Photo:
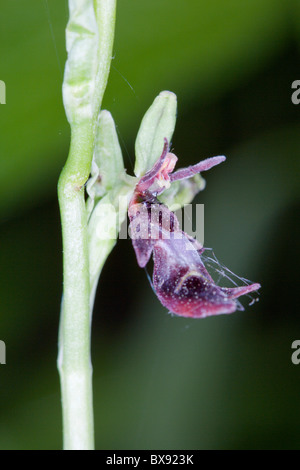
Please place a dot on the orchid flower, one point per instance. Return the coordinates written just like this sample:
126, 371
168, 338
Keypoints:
180, 278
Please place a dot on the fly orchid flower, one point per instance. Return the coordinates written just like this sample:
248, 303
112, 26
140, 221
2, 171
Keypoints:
180, 278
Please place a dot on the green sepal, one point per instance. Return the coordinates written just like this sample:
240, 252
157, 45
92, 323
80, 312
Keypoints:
182, 192
157, 124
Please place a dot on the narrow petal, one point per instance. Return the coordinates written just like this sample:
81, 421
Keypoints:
194, 169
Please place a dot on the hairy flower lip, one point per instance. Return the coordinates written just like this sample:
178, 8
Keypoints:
183, 284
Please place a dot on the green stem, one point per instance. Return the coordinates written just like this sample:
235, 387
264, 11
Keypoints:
74, 343
74, 362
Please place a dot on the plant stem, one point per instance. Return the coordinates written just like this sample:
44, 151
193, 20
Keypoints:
74, 343
74, 362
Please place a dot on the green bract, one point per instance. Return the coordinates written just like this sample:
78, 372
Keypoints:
109, 190
107, 165
89, 35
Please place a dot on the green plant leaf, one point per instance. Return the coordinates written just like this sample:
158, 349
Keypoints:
157, 124
185, 57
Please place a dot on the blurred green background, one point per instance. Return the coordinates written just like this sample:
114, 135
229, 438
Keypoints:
160, 382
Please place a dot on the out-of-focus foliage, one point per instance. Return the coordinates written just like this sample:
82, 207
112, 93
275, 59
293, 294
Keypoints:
193, 48
160, 382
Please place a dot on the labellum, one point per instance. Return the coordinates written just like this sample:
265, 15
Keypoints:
180, 278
